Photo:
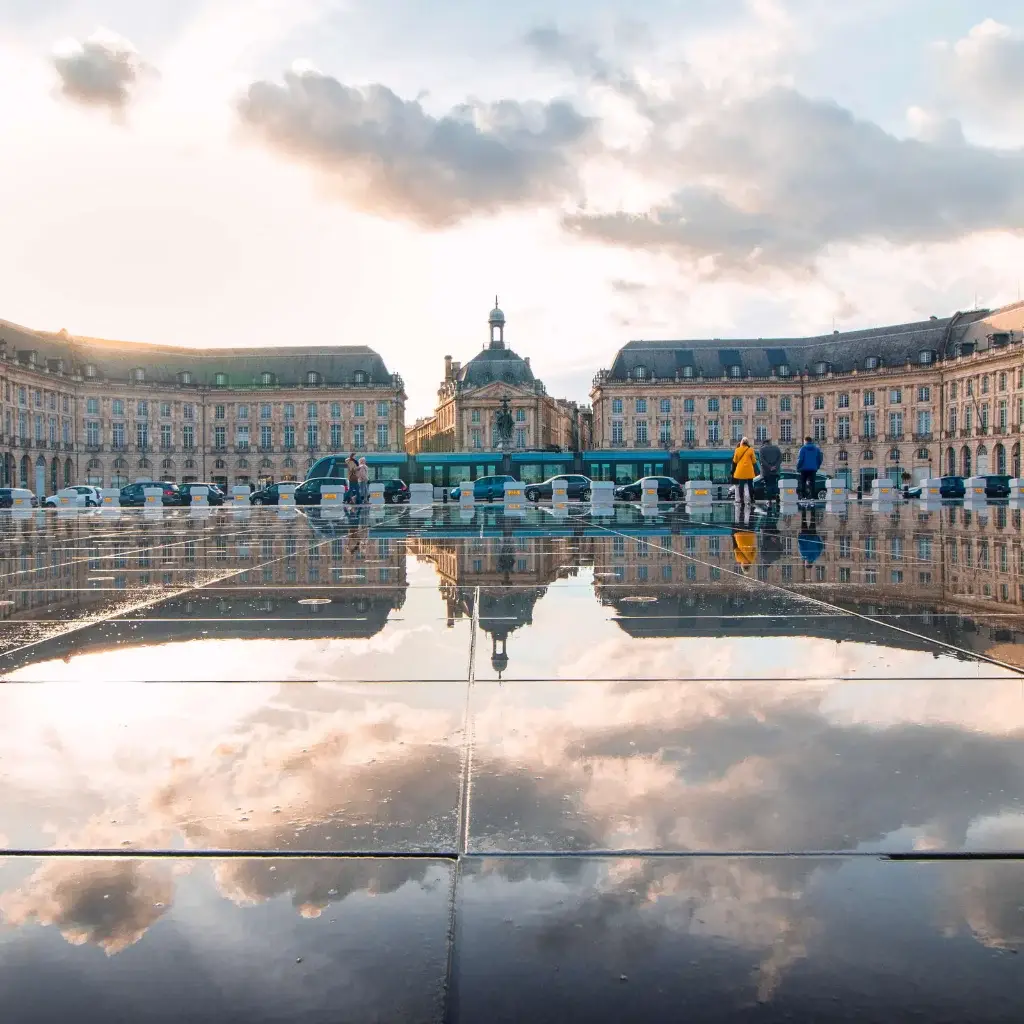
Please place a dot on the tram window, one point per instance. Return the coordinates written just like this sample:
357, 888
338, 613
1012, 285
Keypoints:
456, 474
433, 475
385, 472
623, 473
698, 471
721, 473
531, 472
600, 471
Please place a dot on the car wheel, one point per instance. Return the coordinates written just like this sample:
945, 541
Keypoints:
388, 500
51, 504
257, 501
532, 495
585, 495
822, 495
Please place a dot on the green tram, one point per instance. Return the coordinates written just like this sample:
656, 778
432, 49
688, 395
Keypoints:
619, 465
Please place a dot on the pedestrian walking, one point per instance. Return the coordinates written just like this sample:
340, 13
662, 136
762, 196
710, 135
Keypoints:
352, 471
363, 478
808, 462
743, 471
770, 458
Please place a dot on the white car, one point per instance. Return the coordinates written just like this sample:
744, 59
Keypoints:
92, 496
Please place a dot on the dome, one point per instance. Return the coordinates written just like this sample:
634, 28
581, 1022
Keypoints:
496, 364
497, 318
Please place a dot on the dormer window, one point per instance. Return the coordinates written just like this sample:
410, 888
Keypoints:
313, 377
640, 372
184, 377
220, 380
926, 357
872, 363
359, 377
687, 371
266, 379
1001, 338
782, 369
821, 368
138, 375
735, 371
90, 370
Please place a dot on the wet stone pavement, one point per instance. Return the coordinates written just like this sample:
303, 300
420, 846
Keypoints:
270, 765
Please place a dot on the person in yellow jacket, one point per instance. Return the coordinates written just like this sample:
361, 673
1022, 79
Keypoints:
743, 471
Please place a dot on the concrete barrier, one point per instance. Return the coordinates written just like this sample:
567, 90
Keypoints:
1017, 488
602, 498
377, 492
333, 494
68, 497
421, 494
649, 493
514, 496
154, 497
286, 494
467, 495
788, 494
240, 496
111, 497
560, 495
974, 490
698, 494
198, 496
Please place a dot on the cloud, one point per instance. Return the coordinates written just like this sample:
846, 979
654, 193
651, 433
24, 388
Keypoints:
776, 180
987, 66
101, 71
391, 157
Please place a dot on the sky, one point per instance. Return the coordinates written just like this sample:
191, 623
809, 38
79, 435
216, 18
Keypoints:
294, 172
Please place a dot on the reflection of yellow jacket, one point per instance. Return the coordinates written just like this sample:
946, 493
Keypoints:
745, 547
743, 463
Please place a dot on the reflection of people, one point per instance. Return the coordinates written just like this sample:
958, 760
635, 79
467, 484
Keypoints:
808, 462
810, 544
744, 548
743, 471
770, 458
771, 539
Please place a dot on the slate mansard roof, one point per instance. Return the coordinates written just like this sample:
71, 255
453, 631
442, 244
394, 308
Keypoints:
115, 361
496, 364
841, 352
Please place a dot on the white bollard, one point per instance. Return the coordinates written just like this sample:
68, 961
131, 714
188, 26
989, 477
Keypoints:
286, 494
560, 494
111, 497
68, 497
153, 496
240, 496
377, 492
332, 495
698, 494
467, 495
602, 498
332, 511
514, 497
649, 494
788, 497
421, 494
835, 495
198, 496
1017, 488
974, 490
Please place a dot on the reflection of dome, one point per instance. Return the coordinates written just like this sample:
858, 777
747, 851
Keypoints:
499, 659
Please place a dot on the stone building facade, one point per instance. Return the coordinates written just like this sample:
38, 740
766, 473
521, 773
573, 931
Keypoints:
471, 395
938, 396
79, 410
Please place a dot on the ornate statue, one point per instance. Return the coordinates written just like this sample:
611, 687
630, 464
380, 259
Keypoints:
503, 424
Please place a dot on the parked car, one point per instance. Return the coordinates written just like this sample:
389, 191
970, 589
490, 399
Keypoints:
668, 489
578, 488
214, 495
134, 495
17, 497
951, 487
308, 492
93, 497
820, 482
997, 486
485, 488
396, 492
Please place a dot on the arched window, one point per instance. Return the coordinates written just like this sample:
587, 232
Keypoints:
184, 377
950, 462
922, 454
190, 463
312, 377
220, 380
69, 472
289, 463
735, 371
965, 461
787, 456
90, 370
640, 372
782, 369
266, 378
167, 464
894, 454
359, 377
1000, 454
243, 463
144, 464
868, 455
138, 375
687, 371
220, 464
842, 455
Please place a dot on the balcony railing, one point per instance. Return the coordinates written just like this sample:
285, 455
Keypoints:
923, 435
898, 436
872, 436
40, 443
168, 448
242, 448
118, 446
641, 444
69, 446
965, 431
981, 431
999, 428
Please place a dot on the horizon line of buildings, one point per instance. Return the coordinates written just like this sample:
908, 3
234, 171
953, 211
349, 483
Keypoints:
943, 396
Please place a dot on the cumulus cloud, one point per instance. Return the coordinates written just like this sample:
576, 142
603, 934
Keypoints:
101, 71
987, 66
391, 157
775, 180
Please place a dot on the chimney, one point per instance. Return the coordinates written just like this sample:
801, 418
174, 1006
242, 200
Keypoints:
527, 361
455, 369
447, 367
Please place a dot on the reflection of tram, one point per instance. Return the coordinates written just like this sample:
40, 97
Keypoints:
447, 469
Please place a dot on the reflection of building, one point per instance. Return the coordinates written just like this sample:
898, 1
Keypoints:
940, 396
103, 412
508, 574
470, 398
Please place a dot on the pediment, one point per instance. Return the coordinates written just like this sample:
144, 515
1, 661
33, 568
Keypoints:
499, 389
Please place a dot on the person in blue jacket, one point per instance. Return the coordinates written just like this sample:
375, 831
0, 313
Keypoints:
808, 462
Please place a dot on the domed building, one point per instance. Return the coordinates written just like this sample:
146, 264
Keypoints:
473, 396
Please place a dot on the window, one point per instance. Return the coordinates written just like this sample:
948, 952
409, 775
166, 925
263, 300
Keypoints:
220, 380
761, 405
1002, 380
165, 435
266, 437
952, 390
188, 411
117, 435
188, 437
924, 394
220, 437
641, 431
665, 405
843, 401
92, 433
90, 370
312, 435
641, 405
520, 415
142, 435
474, 416
736, 430
735, 371
783, 369
165, 409
713, 434
383, 408
895, 424
243, 412
968, 418
737, 405
616, 406
819, 402
872, 363
688, 405
1004, 417
335, 410
821, 369
843, 428
312, 377
984, 417
266, 378
786, 430
92, 406
616, 431
869, 398
22, 393
761, 432
138, 375
868, 424
970, 388
357, 409
925, 357
218, 412
117, 407
359, 435
984, 384
687, 371
689, 432
896, 396
382, 436
520, 437
786, 404
924, 423
952, 418
712, 405
818, 425
477, 441
311, 410
289, 435
640, 372
242, 437
289, 411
